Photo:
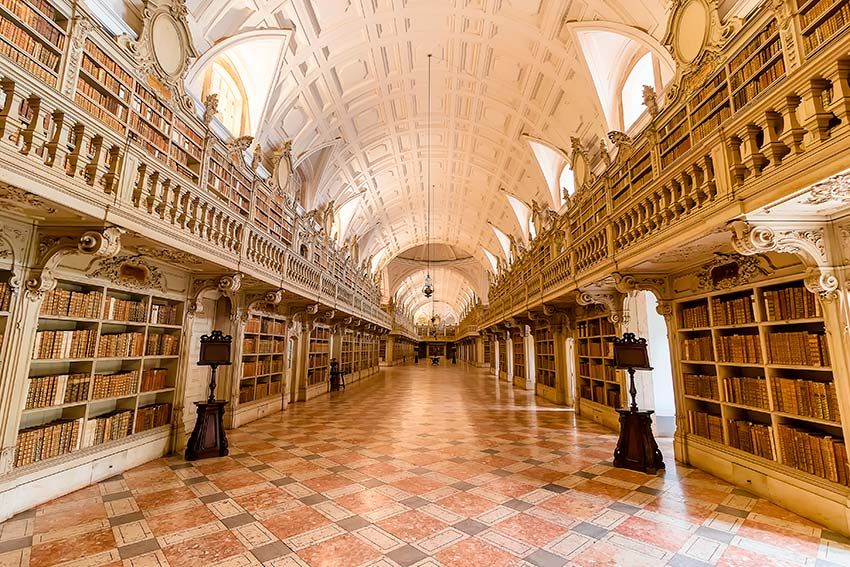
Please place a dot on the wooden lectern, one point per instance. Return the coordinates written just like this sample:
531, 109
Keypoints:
636, 447
208, 438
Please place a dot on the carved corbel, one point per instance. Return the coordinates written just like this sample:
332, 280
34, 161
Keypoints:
105, 243
808, 243
610, 298
268, 299
228, 285
665, 309
628, 283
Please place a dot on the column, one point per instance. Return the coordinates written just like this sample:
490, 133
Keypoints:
388, 351
478, 355
564, 370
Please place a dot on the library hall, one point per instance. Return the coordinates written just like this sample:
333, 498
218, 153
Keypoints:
424, 283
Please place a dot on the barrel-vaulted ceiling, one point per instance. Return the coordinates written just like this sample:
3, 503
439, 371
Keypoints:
357, 70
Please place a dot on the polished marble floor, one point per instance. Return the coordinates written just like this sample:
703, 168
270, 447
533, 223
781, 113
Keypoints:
416, 466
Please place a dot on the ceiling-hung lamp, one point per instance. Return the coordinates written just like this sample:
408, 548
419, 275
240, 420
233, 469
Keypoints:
428, 288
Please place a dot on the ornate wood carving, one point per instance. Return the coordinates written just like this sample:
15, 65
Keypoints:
132, 272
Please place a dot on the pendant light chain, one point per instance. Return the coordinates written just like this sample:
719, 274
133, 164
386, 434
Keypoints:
428, 289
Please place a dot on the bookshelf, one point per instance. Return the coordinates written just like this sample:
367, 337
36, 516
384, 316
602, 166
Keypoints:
503, 358
347, 353
186, 150
488, 350
150, 123
821, 20
675, 137
103, 368
33, 35
709, 106
599, 381
519, 356
544, 352
319, 356
263, 363
103, 89
756, 376
756, 66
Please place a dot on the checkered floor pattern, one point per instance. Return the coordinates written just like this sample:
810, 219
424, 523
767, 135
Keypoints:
417, 466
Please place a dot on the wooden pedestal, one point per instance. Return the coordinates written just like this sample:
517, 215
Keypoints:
636, 447
208, 438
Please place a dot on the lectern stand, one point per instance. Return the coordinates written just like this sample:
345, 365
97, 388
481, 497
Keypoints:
636, 447
208, 438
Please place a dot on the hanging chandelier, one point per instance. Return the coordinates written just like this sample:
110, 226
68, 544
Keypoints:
428, 288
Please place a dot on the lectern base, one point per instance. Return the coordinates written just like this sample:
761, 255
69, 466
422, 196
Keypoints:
208, 438
636, 447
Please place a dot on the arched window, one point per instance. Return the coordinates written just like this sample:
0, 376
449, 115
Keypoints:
567, 182
631, 96
222, 80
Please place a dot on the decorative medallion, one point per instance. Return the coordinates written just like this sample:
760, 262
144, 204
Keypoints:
728, 270
132, 272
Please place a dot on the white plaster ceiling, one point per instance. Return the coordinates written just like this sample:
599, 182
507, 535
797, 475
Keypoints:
357, 69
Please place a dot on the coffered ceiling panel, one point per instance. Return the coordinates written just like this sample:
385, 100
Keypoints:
357, 69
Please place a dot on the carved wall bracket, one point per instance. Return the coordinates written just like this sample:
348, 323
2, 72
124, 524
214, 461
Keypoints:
105, 243
612, 299
628, 283
809, 243
228, 285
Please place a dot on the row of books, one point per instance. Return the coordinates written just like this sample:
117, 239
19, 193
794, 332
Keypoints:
119, 345
64, 344
319, 348
807, 398
152, 416
666, 159
246, 393
109, 427
114, 385
124, 310
702, 386
154, 379
153, 106
22, 38
755, 64
733, 311
746, 390
35, 20
42, 6
108, 103
164, 314
5, 296
739, 348
813, 453
105, 61
68, 303
754, 438
261, 367
754, 45
149, 133
696, 316
812, 39
99, 112
708, 88
25, 61
791, 303
36, 444
798, 348
709, 106
162, 344
317, 375
58, 389
102, 76
711, 123
596, 328
815, 11
706, 425
257, 345
759, 83
697, 348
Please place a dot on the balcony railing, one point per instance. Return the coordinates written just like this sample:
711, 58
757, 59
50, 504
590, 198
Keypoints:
217, 208
776, 143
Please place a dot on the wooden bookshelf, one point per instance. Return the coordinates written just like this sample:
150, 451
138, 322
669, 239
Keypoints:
347, 353
640, 169
821, 21
503, 356
319, 356
675, 137
756, 376
599, 381
5, 307
709, 106
103, 368
756, 66
186, 150
488, 350
150, 123
263, 363
544, 353
33, 35
519, 355
104, 88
